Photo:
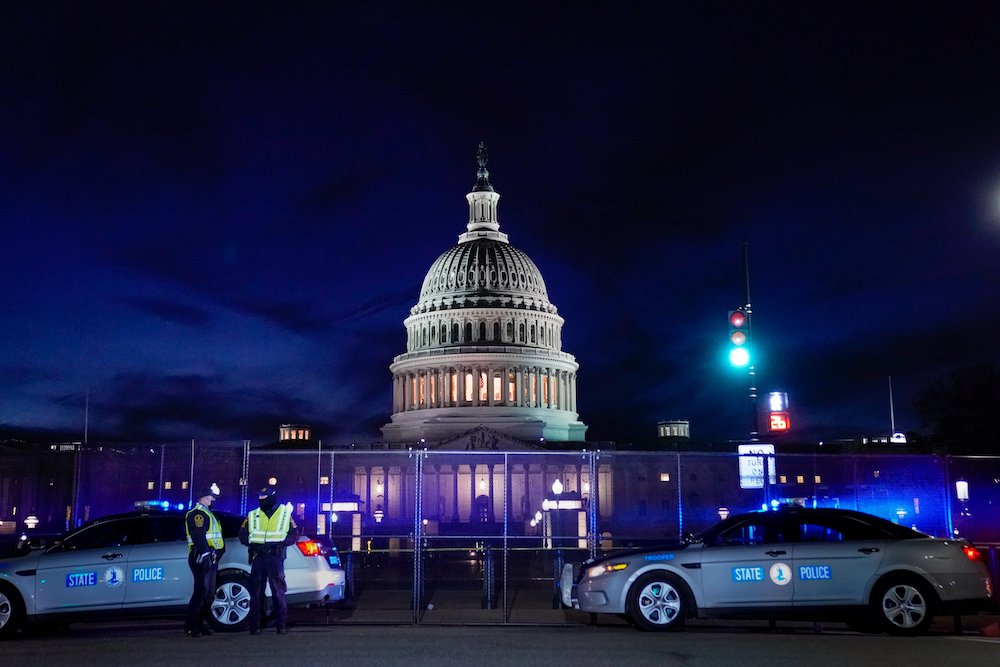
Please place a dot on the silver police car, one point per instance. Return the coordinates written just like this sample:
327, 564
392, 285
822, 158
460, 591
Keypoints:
136, 564
789, 563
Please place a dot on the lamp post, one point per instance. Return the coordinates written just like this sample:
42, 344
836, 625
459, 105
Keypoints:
751, 367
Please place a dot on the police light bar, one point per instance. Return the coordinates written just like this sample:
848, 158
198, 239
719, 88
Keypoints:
152, 504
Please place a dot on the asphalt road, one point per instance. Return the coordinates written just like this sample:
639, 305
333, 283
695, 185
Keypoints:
163, 643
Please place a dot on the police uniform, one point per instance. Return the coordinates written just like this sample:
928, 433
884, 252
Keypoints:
268, 531
205, 548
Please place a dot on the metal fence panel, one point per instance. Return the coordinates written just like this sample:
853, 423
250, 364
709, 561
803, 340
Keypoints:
479, 536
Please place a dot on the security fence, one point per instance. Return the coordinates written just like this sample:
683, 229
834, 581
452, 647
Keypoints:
430, 536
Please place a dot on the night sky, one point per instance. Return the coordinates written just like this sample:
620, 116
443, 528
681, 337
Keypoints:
215, 216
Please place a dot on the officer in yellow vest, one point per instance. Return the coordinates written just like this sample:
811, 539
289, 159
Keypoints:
205, 548
268, 531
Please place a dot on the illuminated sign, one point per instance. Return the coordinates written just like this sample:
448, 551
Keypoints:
814, 572
742, 574
777, 401
78, 579
778, 422
752, 465
655, 557
114, 577
780, 574
147, 574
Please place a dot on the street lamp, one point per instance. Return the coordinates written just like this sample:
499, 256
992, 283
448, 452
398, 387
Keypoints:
557, 487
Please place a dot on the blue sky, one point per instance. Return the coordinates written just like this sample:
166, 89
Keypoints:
216, 217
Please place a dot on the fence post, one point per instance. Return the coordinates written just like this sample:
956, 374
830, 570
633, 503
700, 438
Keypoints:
489, 581
994, 567
557, 564
349, 575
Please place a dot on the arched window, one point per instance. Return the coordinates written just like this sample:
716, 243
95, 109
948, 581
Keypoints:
433, 335
532, 333
496, 332
454, 332
510, 331
520, 332
468, 332
482, 331
423, 333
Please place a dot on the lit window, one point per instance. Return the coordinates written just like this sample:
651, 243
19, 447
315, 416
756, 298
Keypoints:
664, 476
876, 474
184, 485
150, 485
799, 479
782, 479
324, 480
167, 485
818, 479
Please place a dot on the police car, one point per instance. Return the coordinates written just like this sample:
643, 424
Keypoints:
789, 563
136, 564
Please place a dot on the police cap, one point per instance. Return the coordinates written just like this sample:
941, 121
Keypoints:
211, 490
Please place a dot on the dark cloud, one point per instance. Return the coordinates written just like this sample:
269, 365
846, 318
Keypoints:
171, 311
276, 184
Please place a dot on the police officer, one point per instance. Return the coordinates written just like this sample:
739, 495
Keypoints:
205, 548
267, 531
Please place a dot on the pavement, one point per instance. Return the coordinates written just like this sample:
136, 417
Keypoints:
534, 607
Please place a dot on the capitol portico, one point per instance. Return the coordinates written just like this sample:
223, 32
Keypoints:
484, 343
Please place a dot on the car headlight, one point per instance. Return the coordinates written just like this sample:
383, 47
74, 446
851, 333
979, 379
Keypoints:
605, 568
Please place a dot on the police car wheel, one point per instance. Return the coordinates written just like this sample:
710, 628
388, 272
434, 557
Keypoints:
656, 601
903, 607
11, 611
231, 605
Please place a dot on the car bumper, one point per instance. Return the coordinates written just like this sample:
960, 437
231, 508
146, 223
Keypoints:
567, 590
316, 586
600, 595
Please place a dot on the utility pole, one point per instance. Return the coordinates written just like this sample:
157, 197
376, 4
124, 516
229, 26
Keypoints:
751, 368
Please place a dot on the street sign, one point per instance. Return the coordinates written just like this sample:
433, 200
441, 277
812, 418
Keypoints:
752, 458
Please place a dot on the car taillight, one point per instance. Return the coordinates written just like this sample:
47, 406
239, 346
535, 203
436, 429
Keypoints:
972, 553
308, 547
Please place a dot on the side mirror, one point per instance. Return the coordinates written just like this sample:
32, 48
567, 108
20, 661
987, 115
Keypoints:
57, 545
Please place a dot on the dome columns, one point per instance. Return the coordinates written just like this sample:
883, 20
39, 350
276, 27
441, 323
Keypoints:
484, 385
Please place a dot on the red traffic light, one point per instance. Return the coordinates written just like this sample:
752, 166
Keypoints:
737, 319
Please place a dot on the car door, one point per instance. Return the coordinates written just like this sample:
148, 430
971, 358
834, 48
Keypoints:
748, 565
87, 570
834, 560
158, 573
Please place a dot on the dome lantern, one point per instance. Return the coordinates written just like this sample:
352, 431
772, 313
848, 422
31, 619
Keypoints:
482, 200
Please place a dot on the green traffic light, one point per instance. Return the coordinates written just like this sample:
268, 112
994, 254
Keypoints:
739, 357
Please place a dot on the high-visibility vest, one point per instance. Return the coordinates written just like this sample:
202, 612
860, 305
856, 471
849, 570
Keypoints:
213, 534
263, 529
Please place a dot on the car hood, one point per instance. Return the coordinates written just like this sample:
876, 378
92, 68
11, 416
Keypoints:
631, 553
19, 561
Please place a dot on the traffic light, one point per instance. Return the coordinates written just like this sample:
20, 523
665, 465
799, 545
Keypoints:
739, 338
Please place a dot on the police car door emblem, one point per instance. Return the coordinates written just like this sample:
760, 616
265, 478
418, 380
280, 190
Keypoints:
780, 573
114, 577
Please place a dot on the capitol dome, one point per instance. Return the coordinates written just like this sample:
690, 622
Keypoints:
484, 343
480, 271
